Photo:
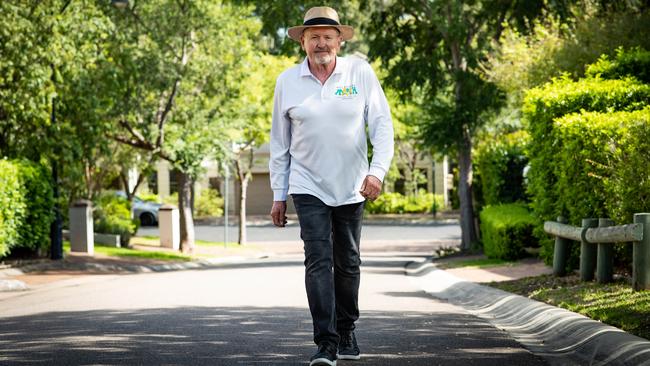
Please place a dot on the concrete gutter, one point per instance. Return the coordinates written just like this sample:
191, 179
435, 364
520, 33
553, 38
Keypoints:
560, 336
98, 266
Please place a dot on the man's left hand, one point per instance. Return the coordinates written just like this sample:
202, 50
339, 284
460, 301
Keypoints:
371, 187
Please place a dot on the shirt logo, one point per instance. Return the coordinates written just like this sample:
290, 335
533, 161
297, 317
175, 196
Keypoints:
346, 91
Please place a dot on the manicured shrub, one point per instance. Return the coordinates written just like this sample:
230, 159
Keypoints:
172, 199
506, 230
209, 204
26, 206
500, 163
396, 203
149, 197
12, 206
610, 152
541, 108
603, 169
34, 233
627, 183
634, 63
112, 215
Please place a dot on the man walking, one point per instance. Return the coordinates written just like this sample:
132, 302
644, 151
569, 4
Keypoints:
319, 156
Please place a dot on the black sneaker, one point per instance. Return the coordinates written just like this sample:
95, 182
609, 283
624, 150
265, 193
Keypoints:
326, 356
348, 348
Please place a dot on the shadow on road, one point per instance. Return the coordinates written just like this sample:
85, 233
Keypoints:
245, 336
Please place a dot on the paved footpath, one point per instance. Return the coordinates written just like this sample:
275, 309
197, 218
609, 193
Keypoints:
250, 313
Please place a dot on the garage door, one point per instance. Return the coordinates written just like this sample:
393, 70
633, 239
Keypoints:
260, 196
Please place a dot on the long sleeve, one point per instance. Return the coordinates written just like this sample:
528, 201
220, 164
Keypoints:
280, 160
380, 126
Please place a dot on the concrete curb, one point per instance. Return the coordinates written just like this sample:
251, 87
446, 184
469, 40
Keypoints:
130, 268
560, 336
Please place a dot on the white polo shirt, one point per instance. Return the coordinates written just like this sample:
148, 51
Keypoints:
318, 135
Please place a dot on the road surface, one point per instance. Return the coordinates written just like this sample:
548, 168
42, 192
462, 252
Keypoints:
251, 313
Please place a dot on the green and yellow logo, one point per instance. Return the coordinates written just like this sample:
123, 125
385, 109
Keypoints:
346, 91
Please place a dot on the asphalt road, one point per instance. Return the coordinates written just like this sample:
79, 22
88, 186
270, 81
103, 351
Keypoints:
241, 314
370, 232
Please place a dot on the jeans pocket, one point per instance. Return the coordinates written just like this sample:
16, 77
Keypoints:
313, 216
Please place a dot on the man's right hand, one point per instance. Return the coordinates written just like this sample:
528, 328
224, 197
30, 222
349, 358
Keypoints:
278, 213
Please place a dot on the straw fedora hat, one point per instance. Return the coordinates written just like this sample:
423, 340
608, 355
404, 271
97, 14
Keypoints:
321, 16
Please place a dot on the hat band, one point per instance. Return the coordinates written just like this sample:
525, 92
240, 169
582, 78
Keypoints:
321, 21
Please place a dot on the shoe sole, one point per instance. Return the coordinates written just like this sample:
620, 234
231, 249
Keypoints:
349, 357
322, 362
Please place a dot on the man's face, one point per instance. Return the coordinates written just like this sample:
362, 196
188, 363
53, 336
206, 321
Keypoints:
321, 44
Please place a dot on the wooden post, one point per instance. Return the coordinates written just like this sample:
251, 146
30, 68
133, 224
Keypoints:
641, 260
587, 253
560, 252
605, 258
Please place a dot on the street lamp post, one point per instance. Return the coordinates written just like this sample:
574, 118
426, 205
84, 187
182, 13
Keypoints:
56, 228
225, 205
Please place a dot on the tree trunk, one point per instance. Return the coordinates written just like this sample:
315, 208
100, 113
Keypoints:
242, 210
185, 209
88, 179
413, 172
244, 175
129, 194
468, 231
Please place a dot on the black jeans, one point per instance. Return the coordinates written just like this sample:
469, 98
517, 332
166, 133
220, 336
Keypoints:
331, 236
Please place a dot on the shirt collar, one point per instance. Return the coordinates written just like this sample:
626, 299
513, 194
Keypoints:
338, 69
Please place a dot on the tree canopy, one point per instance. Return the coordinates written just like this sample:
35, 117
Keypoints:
437, 47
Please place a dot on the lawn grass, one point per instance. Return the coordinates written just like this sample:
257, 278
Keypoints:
155, 241
214, 243
133, 253
615, 304
478, 263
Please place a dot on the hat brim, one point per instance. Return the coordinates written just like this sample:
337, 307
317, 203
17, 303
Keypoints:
346, 31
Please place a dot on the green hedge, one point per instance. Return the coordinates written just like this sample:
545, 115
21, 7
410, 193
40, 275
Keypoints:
12, 206
209, 204
541, 108
26, 206
149, 197
35, 234
583, 155
627, 178
635, 63
112, 215
506, 230
604, 168
396, 203
500, 163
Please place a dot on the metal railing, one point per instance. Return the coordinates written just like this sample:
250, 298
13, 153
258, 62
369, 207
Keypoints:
596, 237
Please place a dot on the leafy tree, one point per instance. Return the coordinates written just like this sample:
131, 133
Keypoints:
406, 116
130, 160
176, 66
523, 61
277, 16
251, 114
49, 50
26, 87
438, 46
47, 108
